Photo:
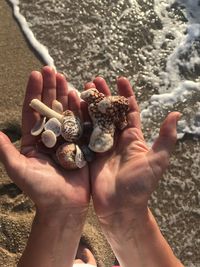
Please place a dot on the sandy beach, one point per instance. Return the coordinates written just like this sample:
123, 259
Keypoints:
17, 60
172, 208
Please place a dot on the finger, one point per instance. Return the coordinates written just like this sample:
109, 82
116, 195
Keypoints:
49, 85
134, 119
102, 86
74, 102
29, 116
133, 105
89, 85
124, 87
9, 155
159, 155
135, 122
168, 134
62, 90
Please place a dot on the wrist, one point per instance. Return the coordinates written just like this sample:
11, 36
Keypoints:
140, 241
122, 221
54, 238
71, 218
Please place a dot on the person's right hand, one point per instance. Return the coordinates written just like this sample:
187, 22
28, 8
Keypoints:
53, 189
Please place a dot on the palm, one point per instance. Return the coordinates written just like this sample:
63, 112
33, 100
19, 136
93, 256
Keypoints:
44, 181
34, 172
125, 177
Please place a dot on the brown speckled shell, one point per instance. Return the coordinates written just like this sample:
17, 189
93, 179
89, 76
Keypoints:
66, 156
107, 114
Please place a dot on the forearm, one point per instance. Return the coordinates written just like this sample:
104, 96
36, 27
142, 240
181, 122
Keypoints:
141, 245
53, 240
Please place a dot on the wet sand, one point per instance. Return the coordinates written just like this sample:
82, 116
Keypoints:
17, 60
175, 204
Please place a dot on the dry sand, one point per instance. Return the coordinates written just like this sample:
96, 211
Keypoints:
17, 60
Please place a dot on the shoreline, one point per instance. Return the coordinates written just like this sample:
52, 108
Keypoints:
17, 61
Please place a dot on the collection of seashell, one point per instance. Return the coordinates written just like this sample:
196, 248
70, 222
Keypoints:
107, 114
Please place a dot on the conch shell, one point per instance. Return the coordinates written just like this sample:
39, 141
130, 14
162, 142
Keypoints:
70, 156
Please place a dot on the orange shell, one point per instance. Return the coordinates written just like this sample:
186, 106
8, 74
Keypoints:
66, 154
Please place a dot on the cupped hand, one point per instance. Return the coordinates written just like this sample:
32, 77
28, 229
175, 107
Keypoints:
48, 185
123, 179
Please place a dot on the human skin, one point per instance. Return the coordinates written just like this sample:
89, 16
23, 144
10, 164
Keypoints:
123, 180
61, 197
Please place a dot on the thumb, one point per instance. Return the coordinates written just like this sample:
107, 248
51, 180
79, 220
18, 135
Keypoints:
159, 154
168, 134
9, 155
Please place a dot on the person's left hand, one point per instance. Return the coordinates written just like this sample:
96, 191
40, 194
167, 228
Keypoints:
50, 187
123, 178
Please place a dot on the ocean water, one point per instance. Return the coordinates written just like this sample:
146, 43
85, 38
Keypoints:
156, 44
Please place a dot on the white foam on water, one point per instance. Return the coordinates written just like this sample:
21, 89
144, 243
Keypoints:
37, 46
41, 49
173, 87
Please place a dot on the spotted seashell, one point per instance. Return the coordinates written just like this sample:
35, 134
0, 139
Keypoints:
54, 125
92, 95
48, 138
70, 157
104, 105
71, 127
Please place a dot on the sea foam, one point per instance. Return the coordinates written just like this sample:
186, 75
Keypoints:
178, 82
37, 46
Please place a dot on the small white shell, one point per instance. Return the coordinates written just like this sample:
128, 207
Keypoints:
38, 127
79, 158
49, 138
100, 141
54, 125
57, 106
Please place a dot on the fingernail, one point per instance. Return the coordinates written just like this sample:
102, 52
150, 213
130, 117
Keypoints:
49, 68
60, 75
121, 77
99, 78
